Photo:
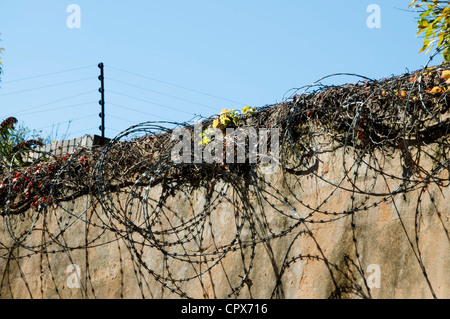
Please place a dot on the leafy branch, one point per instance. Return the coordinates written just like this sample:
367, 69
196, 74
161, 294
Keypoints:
434, 22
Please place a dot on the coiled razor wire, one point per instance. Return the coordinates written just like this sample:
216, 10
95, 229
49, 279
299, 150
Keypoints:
135, 182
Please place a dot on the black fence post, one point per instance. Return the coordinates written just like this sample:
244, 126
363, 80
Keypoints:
102, 101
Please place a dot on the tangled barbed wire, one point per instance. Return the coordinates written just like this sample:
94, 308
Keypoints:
169, 215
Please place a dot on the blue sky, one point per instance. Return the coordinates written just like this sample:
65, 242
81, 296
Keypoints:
171, 60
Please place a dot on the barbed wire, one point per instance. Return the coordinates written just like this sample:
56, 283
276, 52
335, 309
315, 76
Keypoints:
195, 215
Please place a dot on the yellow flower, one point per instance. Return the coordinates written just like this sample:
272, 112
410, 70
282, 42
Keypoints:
436, 89
226, 117
205, 140
224, 120
205, 135
248, 110
446, 76
216, 123
403, 94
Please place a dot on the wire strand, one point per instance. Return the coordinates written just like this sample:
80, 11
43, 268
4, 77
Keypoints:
53, 109
176, 85
52, 102
138, 111
150, 102
47, 74
164, 94
68, 121
45, 86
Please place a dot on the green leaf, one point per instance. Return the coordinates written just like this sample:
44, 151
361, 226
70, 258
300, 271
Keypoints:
428, 32
423, 24
441, 39
412, 3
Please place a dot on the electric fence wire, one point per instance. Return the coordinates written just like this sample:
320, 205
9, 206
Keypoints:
37, 109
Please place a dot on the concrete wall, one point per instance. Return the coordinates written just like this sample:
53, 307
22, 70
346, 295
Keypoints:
232, 238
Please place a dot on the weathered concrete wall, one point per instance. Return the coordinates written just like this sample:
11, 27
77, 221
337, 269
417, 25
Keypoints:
200, 244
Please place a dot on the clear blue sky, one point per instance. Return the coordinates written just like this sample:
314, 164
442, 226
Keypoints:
236, 52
